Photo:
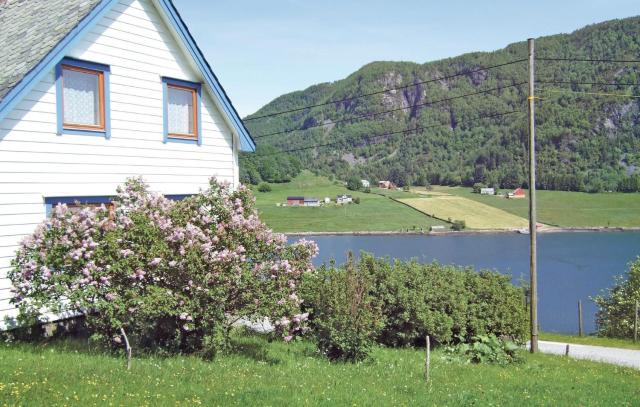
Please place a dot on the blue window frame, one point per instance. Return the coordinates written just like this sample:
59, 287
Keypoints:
52, 201
87, 90
181, 117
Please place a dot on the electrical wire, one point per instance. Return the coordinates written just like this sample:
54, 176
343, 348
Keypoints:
419, 128
622, 95
588, 83
371, 115
441, 78
617, 61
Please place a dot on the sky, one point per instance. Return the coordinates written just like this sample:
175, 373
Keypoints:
261, 49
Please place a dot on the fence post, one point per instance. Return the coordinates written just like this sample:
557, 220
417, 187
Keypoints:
635, 324
427, 364
580, 327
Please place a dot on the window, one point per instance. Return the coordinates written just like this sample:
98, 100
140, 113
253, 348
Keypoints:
82, 97
76, 203
181, 111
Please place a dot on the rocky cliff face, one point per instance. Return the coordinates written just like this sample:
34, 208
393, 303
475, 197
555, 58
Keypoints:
582, 137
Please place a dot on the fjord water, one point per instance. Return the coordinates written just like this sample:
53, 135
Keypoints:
571, 266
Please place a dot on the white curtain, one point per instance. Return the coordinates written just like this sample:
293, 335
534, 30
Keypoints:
180, 111
81, 98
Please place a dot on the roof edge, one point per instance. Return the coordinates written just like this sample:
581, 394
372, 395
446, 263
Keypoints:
246, 141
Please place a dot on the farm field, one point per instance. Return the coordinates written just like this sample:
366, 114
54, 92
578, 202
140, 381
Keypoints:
261, 373
476, 215
563, 209
374, 213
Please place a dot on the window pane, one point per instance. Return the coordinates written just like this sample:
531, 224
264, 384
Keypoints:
81, 98
180, 111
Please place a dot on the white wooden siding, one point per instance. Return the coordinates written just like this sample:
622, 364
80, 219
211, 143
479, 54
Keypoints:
35, 162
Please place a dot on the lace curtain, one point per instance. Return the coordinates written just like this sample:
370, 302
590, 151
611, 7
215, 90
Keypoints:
180, 111
81, 98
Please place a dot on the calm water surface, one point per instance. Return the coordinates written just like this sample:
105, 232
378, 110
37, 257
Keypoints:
571, 266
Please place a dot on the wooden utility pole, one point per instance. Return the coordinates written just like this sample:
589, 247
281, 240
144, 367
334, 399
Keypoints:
580, 327
533, 272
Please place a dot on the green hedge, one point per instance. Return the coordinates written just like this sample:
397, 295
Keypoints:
411, 300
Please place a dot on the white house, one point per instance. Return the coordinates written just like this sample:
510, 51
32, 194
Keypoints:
487, 191
343, 199
311, 202
95, 91
365, 183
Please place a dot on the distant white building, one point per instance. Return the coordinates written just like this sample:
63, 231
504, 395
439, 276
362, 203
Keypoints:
327, 200
487, 191
343, 199
311, 202
365, 183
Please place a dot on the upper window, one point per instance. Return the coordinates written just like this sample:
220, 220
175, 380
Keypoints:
82, 91
181, 110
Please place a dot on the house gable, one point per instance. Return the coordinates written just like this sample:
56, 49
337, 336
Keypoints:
13, 90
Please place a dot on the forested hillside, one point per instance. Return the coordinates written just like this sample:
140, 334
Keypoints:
586, 142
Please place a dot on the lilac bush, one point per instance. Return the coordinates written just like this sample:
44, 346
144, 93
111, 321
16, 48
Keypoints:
171, 275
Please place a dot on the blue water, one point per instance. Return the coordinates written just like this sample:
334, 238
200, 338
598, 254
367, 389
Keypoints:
571, 266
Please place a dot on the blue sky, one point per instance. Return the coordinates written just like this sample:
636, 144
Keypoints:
262, 49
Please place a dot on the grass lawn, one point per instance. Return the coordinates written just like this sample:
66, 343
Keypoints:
374, 213
475, 214
262, 373
567, 209
590, 340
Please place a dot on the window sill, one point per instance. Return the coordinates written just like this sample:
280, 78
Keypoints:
84, 132
170, 139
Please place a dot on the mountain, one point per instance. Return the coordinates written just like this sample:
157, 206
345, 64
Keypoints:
585, 142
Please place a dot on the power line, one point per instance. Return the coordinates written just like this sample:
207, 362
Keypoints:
622, 95
441, 78
366, 115
589, 83
617, 61
419, 128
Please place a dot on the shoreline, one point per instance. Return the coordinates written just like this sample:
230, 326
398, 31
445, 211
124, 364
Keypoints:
541, 230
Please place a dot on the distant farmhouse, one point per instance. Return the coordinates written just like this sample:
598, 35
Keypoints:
311, 202
386, 185
302, 201
487, 191
295, 200
343, 199
518, 193
365, 183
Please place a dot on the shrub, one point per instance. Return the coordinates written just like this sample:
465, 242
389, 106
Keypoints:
367, 190
458, 225
356, 200
264, 187
616, 306
485, 349
477, 187
171, 275
447, 303
406, 188
354, 183
346, 319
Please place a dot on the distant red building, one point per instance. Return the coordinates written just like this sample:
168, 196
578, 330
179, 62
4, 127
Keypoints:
295, 200
518, 193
